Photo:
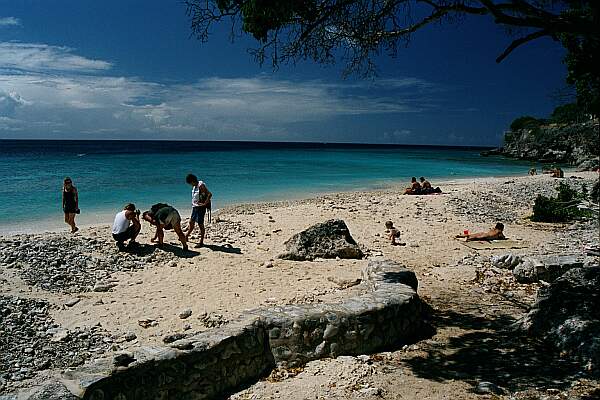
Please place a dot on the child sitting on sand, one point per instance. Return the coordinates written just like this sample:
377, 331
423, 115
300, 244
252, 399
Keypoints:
394, 234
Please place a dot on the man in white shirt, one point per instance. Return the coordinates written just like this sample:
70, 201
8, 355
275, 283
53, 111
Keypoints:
127, 225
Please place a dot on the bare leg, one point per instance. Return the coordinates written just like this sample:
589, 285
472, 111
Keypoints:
179, 232
160, 234
202, 232
191, 227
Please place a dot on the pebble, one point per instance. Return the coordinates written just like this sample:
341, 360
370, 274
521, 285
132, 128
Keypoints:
72, 302
31, 341
186, 313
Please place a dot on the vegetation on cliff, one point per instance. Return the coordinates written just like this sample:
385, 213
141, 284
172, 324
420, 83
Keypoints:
569, 135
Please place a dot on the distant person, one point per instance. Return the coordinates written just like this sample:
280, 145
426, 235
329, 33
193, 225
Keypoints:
532, 171
126, 225
426, 187
163, 216
70, 203
200, 205
393, 234
558, 173
496, 233
415, 187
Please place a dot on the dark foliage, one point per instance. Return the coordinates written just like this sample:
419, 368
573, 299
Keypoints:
562, 208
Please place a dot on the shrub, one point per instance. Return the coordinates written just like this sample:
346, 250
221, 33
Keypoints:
562, 208
526, 122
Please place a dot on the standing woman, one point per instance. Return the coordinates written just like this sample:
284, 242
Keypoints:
200, 203
70, 203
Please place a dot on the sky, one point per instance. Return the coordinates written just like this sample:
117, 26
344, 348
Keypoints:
72, 69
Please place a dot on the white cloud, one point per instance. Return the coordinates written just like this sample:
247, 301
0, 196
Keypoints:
34, 57
9, 21
50, 89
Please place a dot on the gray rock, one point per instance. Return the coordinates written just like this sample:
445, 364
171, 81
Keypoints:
567, 315
123, 359
173, 337
329, 239
545, 268
186, 313
53, 391
488, 388
130, 336
72, 302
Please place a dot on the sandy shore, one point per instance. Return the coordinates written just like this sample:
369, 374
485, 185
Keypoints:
239, 269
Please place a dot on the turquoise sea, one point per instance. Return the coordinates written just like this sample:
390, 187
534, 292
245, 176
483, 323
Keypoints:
111, 173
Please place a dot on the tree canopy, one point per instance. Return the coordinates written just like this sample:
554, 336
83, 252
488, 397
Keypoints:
357, 30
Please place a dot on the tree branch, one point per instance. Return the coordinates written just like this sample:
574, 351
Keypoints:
518, 42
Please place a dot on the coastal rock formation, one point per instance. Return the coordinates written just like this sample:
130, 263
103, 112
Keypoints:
329, 239
575, 144
548, 268
567, 314
216, 362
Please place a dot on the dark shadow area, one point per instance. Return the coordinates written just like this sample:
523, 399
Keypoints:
178, 251
494, 353
404, 277
224, 249
139, 249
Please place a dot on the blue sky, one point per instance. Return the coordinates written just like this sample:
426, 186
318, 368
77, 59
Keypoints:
130, 70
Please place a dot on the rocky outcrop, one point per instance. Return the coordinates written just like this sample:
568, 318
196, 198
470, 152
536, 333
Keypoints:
329, 239
576, 144
567, 315
214, 363
545, 268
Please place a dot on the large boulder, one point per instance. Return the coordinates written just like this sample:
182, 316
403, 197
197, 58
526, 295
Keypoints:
548, 268
567, 315
329, 239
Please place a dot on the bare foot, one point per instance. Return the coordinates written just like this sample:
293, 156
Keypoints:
74, 230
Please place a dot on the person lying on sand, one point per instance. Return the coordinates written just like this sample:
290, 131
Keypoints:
415, 187
394, 234
496, 233
163, 216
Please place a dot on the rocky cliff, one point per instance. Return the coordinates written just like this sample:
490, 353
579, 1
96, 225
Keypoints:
576, 144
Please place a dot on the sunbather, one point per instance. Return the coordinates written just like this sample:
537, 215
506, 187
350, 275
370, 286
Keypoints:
496, 233
415, 187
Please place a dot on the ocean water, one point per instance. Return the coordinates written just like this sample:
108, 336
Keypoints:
109, 174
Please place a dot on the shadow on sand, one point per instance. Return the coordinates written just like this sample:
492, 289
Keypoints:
142, 250
491, 351
222, 248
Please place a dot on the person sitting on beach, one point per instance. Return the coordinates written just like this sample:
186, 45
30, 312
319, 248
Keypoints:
532, 172
200, 204
70, 203
126, 225
394, 234
415, 187
496, 233
163, 216
425, 185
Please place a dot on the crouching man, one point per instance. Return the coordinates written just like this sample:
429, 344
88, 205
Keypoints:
163, 216
126, 226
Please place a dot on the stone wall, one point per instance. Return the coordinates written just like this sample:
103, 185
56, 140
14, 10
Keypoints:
217, 362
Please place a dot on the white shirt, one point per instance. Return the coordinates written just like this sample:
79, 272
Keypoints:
121, 223
196, 195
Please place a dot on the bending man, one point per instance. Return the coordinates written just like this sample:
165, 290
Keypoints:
163, 216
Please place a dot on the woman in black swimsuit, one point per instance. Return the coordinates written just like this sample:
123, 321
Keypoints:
70, 203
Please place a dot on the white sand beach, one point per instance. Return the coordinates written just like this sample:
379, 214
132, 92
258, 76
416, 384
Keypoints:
238, 269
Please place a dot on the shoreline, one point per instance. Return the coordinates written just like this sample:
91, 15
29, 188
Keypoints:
104, 218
